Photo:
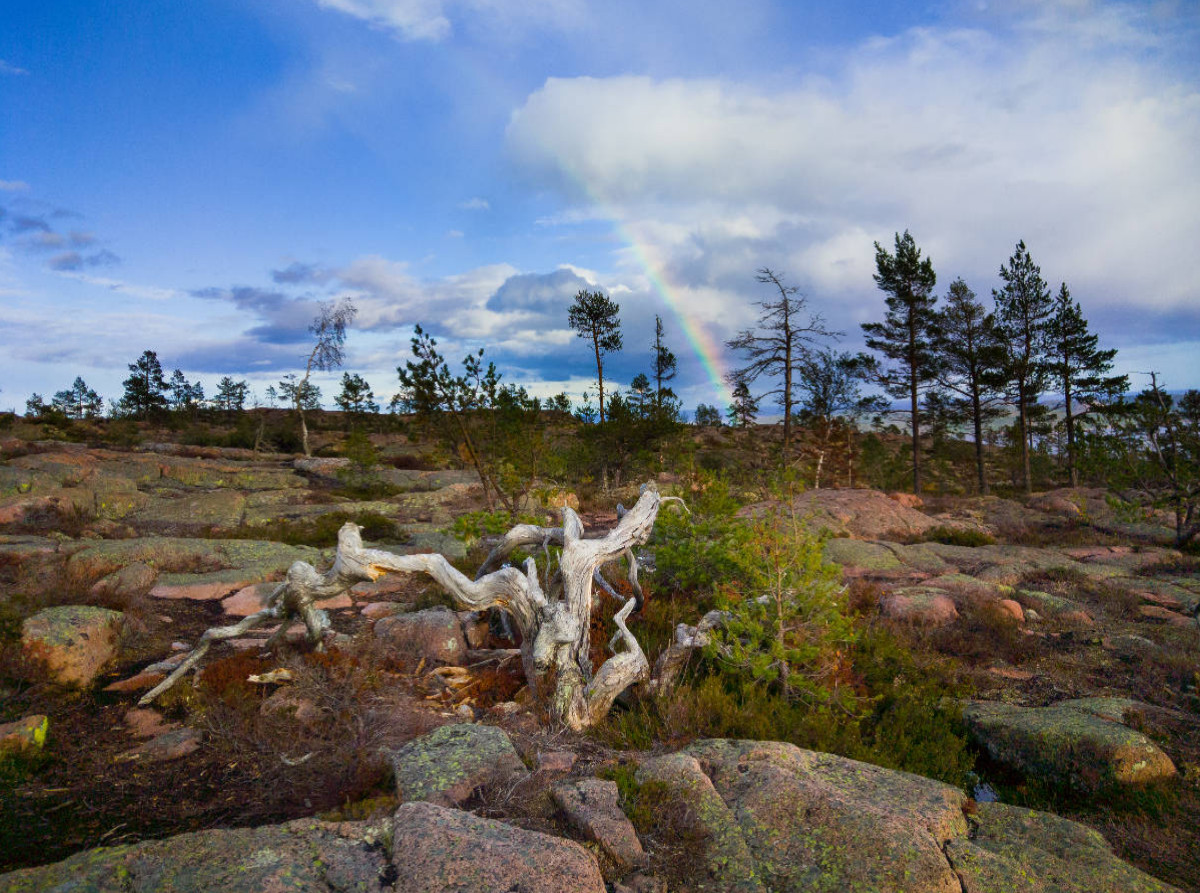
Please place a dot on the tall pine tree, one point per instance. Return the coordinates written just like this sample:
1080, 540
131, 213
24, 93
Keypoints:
1078, 368
905, 337
595, 316
665, 402
970, 357
145, 388
1023, 311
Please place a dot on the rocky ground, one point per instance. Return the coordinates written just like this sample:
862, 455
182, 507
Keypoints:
402, 761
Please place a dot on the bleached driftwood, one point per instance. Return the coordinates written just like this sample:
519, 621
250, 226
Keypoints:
555, 627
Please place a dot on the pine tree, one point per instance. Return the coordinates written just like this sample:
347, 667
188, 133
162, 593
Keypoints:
641, 400
231, 395
777, 348
707, 416
145, 388
905, 337
665, 368
356, 397
595, 316
78, 401
1023, 312
744, 408
184, 396
1078, 368
970, 357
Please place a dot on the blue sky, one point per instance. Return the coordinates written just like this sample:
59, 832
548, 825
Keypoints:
193, 177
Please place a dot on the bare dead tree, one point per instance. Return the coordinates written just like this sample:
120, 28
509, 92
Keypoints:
553, 618
775, 350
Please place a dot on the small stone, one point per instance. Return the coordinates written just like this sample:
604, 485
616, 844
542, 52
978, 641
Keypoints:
147, 723
555, 760
26, 735
180, 646
143, 681
1013, 609
74, 642
433, 635
505, 708
1077, 618
377, 610
172, 745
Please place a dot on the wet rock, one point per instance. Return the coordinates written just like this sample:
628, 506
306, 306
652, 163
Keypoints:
590, 805
433, 635
302, 855
1081, 743
450, 763
74, 642
25, 736
447, 851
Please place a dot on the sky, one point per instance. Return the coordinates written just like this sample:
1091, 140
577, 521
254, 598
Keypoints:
195, 178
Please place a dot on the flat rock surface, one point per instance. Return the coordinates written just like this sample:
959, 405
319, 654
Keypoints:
304, 855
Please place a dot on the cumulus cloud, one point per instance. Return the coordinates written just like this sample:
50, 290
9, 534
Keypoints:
1066, 135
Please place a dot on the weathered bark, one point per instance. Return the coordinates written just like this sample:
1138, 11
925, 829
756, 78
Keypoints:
554, 630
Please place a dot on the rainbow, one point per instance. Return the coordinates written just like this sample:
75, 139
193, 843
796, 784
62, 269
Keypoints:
699, 338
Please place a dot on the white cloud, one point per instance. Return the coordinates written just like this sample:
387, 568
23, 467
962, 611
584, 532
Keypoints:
475, 204
9, 68
431, 19
13, 185
1064, 135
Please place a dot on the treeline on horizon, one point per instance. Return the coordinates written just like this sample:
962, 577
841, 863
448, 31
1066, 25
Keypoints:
955, 366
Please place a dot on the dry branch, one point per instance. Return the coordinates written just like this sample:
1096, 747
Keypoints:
554, 630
